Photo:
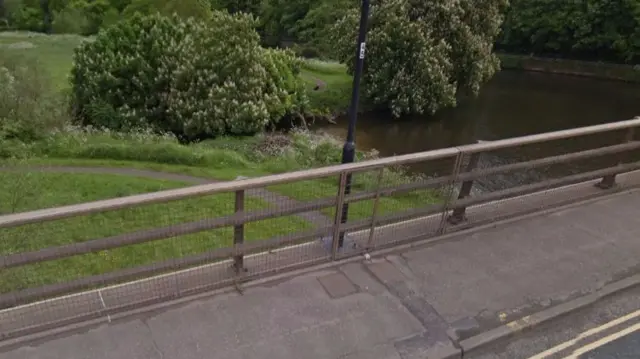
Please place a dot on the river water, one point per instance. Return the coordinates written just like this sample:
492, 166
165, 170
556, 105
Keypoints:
513, 103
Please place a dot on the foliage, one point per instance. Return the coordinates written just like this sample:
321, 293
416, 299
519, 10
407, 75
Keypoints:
184, 8
279, 19
87, 17
315, 27
17, 189
28, 106
30, 18
120, 5
70, 20
305, 21
420, 54
237, 6
589, 29
192, 78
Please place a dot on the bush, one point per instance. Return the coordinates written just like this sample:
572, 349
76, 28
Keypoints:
70, 21
422, 54
307, 52
590, 29
194, 79
29, 19
84, 18
29, 108
184, 8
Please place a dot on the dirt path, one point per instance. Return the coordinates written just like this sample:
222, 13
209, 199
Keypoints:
277, 200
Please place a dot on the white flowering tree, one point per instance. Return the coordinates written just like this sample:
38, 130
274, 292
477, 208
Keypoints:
189, 77
420, 54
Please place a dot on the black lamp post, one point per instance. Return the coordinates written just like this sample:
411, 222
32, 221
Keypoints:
349, 149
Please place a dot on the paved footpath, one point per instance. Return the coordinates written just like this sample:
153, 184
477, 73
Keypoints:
416, 304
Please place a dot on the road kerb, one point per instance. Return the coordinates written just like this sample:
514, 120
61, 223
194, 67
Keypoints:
530, 321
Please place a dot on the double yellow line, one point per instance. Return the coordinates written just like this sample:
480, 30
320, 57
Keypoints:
596, 344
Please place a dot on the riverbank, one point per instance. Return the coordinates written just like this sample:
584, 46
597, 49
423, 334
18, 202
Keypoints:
598, 70
225, 158
75, 166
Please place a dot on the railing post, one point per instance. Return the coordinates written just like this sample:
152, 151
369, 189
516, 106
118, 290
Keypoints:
455, 172
238, 232
374, 214
609, 181
458, 214
337, 232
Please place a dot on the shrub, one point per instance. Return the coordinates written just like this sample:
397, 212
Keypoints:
28, 106
28, 18
589, 29
422, 54
192, 78
184, 8
307, 52
84, 18
70, 21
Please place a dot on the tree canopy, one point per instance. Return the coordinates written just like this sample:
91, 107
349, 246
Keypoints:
193, 78
586, 29
420, 54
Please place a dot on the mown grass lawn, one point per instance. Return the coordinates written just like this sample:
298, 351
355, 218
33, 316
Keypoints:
301, 191
28, 191
318, 189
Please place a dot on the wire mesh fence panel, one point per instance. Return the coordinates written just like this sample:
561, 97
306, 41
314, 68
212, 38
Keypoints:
319, 194
306, 205
101, 257
388, 205
128, 238
302, 244
521, 179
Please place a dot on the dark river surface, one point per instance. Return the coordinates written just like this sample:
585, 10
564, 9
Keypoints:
512, 104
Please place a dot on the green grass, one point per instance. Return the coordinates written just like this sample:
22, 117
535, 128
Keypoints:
328, 187
334, 97
25, 190
54, 53
222, 158
32, 190
302, 191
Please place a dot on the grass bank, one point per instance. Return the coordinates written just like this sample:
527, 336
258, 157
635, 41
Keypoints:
24, 189
328, 86
32, 190
599, 70
221, 159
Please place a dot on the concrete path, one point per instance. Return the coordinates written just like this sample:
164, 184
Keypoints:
416, 304
275, 199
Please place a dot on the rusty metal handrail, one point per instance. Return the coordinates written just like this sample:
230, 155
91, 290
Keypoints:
51, 214
549, 136
241, 216
208, 189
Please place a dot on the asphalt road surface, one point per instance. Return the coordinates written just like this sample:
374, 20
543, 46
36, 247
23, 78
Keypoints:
609, 329
627, 346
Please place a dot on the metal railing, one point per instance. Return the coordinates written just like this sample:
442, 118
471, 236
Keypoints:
141, 249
